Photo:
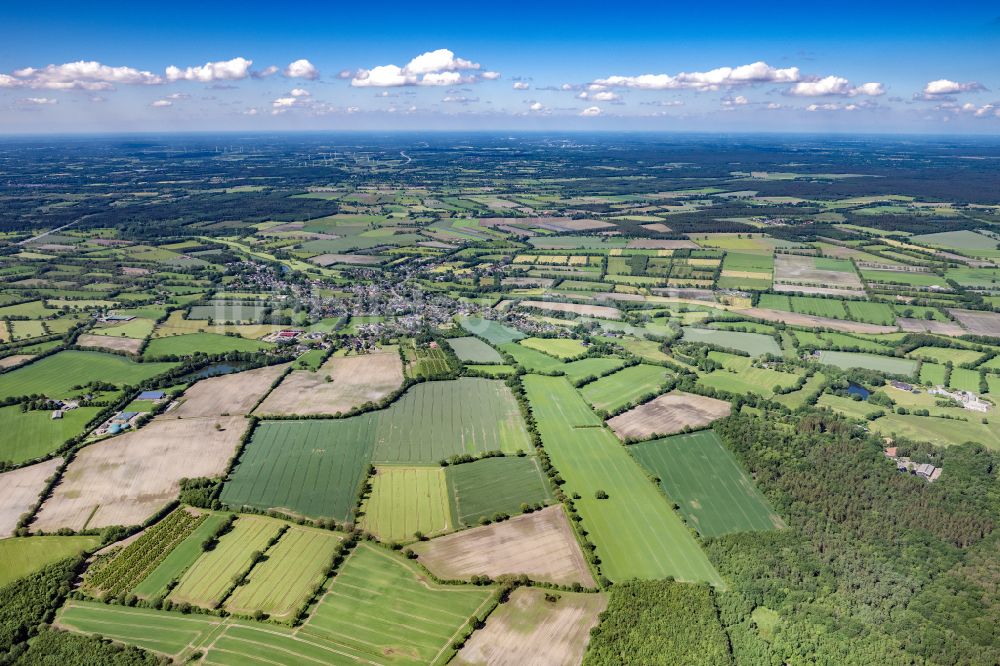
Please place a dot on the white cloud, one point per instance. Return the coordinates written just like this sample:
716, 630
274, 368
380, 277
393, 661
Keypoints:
270, 70
299, 92
284, 102
302, 69
79, 75
521, 85
178, 95
251, 112
835, 86
223, 70
947, 87
536, 106
591, 111
161, 104
758, 72
459, 99
739, 100
434, 68
600, 96
832, 106
39, 101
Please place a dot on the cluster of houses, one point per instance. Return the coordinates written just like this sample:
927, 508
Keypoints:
127, 420
967, 399
64, 406
904, 464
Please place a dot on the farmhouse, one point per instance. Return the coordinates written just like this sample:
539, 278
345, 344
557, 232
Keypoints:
967, 399
152, 395
901, 386
924, 470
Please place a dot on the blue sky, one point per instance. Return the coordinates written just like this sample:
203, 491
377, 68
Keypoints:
716, 66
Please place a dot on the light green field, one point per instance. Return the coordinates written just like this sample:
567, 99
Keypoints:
624, 387
945, 354
405, 500
205, 583
137, 328
54, 376
562, 348
636, 532
206, 343
715, 495
530, 359
796, 399
855, 409
24, 555
739, 376
29, 435
755, 344
179, 559
888, 364
942, 432
873, 313
381, 605
490, 330
590, 367
284, 581
474, 350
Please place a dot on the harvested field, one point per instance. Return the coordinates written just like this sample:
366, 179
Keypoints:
812, 270
130, 345
978, 323
357, 259
14, 359
540, 544
603, 311
355, 380
530, 630
812, 289
812, 321
660, 244
930, 326
233, 394
19, 490
126, 479
668, 414
658, 227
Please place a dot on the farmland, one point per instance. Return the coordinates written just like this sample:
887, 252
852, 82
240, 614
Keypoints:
407, 500
624, 387
715, 496
56, 375
23, 555
895, 366
29, 435
636, 532
755, 344
474, 350
486, 487
667, 414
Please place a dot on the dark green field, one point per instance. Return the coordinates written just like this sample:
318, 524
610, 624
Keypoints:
495, 485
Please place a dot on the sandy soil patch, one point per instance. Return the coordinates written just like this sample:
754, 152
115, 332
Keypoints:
14, 359
134, 271
130, 345
668, 414
795, 268
812, 289
752, 275
355, 380
930, 326
661, 244
539, 544
233, 394
552, 223
978, 323
604, 311
359, 259
19, 490
528, 282
812, 321
530, 630
658, 227
126, 479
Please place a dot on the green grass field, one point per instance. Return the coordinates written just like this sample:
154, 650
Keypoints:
490, 330
491, 370
381, 605
624, 387
945, 354
21, 556
587, 367
495, 485
821, 307
755, 344
206, 581
29, 435
207, 343
942, 432
179, 559
636, 532
280, 584
405, 500
932, 374
55, 376
873, 313
474, 350
561, 348
888, 364
309, 467
531, 359
715, 495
